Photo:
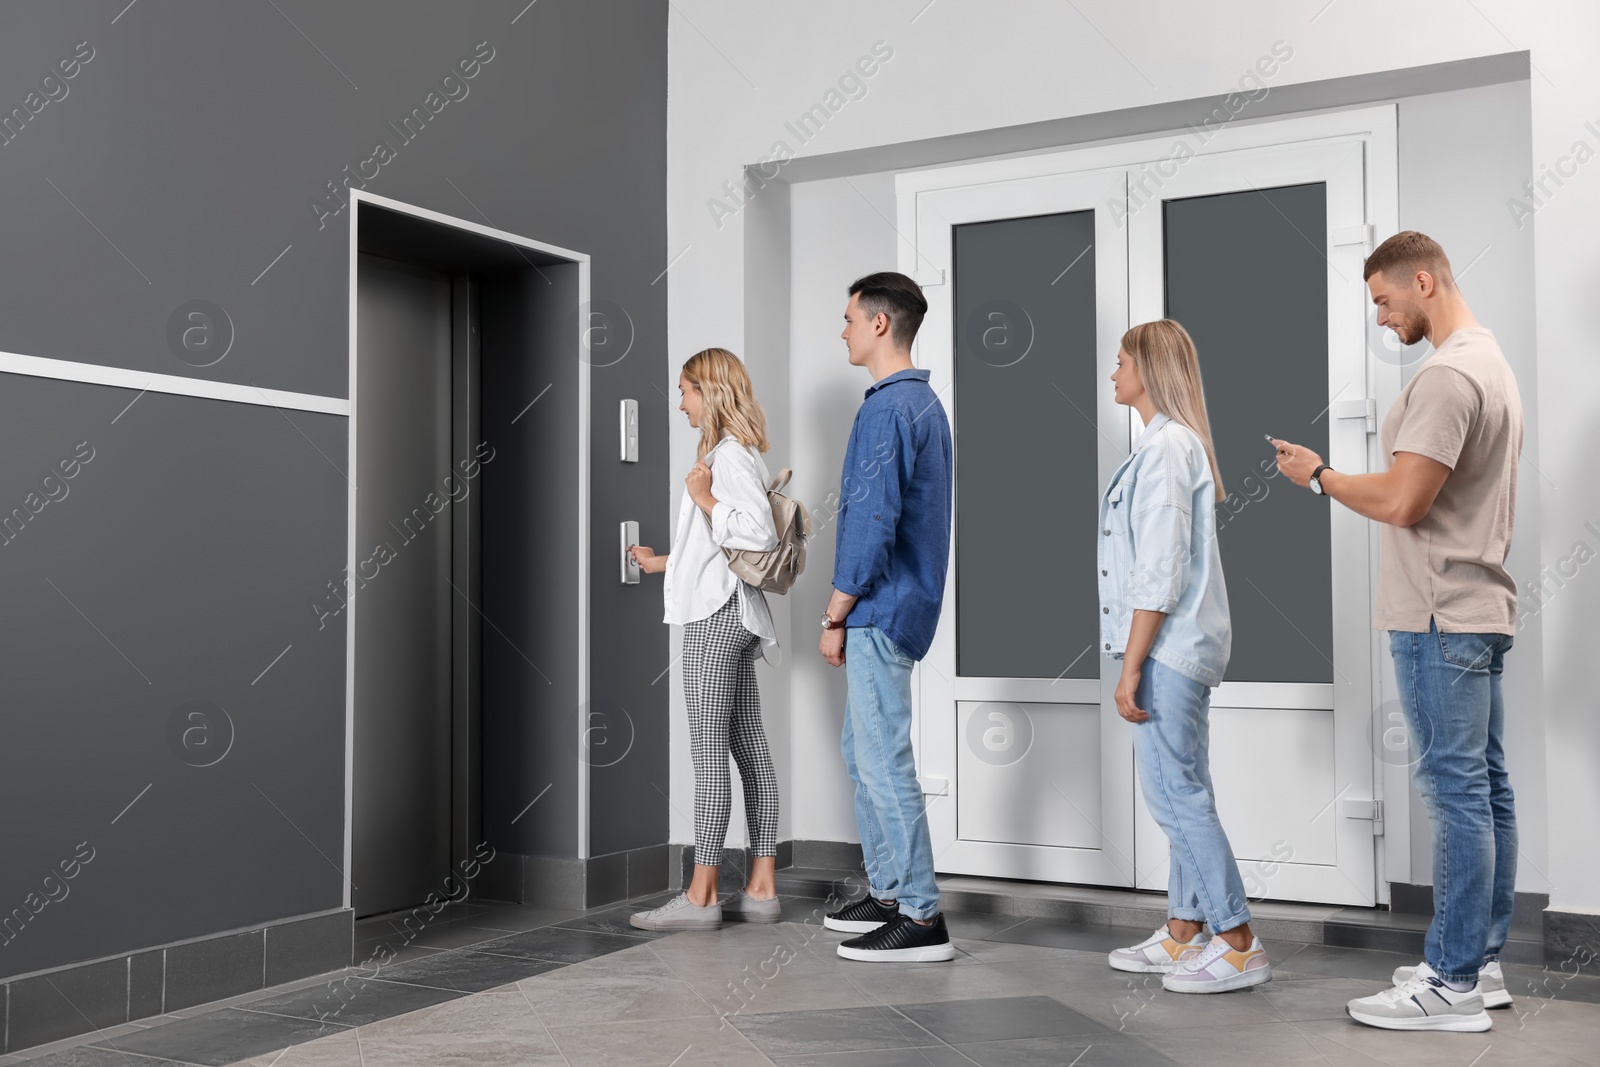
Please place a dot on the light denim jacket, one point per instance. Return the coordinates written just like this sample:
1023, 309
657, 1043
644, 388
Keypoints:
1158, 552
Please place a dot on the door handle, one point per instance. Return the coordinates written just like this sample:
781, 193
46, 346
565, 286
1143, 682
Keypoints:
1360, 408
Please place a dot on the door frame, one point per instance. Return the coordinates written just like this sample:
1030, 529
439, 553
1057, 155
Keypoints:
1374, 127
580, 609
1113, 862
1338, 164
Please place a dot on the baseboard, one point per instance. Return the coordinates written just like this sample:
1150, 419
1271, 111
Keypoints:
731, 874
1572, 942
93, 995
568, 882
1408, 899
832, 855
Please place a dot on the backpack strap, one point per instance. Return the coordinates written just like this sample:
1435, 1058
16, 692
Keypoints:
781, 481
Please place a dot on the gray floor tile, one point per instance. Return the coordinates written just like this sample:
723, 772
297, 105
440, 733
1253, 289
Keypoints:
467, 971
975, 924
1056, 933
656, 1044
1500, 1047
1561, 1027
1333, 962
524, 916
935, 1056
810, 1033
1324, 999
1550, 983
560, 944
1100, 1050
482, 1030
460, 934
1000, 1018
373, 953
222, 1037
89, 1056
353, 1001
929, 983
611, 997
1263, 1043
615, 920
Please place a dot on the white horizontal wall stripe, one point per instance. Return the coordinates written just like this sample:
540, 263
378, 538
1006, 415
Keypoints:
121, 377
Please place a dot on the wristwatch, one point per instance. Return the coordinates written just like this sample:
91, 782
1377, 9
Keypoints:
829, 624
1316, 478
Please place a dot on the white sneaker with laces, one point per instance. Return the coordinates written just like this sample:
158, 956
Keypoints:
1156, 954
1491, 983
1219, 968
1423, 1002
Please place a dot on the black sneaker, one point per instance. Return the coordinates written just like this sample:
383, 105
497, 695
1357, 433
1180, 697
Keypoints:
902, 940
862, 917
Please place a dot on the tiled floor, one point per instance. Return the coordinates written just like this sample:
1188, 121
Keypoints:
490, 985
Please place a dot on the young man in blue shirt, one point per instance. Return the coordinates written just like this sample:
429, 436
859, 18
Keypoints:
888, 584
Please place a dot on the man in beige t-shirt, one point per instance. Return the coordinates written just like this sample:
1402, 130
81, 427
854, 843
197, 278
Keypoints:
1447, 504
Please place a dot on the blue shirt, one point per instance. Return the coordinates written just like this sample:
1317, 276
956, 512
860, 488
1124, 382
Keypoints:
893, 546
1158, 552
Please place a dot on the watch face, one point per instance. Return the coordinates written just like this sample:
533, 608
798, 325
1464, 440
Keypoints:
1316, 486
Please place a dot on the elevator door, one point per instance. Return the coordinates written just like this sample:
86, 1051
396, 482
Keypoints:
401, 584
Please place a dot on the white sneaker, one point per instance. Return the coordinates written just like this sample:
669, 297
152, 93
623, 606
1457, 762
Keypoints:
1491, 984
1219, 968
1423, 1002
1156, 954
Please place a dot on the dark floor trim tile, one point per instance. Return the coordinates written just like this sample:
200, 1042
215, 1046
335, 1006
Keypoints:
1572, 942
314, 945
51, 1007
1413, 899
220, 1037
214, 969
351, 1000
844, 855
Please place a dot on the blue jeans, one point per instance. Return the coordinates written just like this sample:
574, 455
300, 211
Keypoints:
1450, 691
1203, 884
895, 845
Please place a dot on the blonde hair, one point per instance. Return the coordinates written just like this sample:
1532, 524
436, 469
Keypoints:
728, 400
1165, 356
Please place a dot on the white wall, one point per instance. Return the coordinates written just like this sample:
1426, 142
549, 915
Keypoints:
843, 233
738, 74
1459, 153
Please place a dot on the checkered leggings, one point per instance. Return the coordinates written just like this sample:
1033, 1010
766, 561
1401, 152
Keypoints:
719, 686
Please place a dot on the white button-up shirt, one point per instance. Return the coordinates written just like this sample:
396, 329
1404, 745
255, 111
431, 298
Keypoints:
697, 581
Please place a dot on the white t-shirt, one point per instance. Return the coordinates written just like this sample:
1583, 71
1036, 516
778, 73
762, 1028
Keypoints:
697, 581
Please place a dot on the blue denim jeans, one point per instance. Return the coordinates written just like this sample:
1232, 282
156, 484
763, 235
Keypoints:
1450, 691
1174, 746
895, 845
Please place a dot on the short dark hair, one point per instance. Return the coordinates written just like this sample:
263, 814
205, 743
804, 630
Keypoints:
1407, 252
893, 294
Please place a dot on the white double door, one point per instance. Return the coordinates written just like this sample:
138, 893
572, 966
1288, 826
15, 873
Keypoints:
1033, 270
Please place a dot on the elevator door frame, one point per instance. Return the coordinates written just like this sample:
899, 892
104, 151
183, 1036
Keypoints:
580, 609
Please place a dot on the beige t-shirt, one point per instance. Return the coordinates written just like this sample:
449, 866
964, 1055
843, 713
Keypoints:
1461, 408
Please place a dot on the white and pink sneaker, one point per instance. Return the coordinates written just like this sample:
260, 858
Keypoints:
1156, 954
1219, 968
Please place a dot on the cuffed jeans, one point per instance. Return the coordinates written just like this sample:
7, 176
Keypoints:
1450, 692
1203, 884
895, 845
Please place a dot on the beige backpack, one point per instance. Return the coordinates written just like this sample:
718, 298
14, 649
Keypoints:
776, 570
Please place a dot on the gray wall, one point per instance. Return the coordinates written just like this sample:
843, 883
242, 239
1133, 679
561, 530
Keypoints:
182, 159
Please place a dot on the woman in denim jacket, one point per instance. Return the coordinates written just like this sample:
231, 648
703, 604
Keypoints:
1164, 614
